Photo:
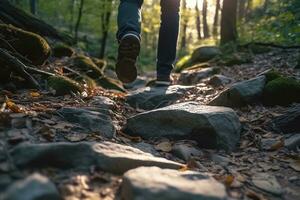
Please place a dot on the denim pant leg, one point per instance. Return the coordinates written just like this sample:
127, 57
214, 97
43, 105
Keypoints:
129, 17
168, 36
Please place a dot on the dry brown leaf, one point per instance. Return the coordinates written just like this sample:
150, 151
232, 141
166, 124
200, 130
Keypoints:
14, 107
164, 146
229, 180
35, 94
278, 145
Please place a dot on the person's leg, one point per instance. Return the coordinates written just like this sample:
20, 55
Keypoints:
128, 35
129, 18
168, 36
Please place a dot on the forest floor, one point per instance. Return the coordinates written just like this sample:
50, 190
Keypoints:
261, 167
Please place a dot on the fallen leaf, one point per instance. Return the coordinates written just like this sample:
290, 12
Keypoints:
278, 145
164, 146
229, 180
35, 94
14, 107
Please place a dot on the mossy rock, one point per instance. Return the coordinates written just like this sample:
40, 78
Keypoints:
62, 50
235, 59
86, 81
87, 66
110, 84
101, 64
63, 85
183, 63
259, 49
30, 45
205, 53
282, 91
198, 66
272, 75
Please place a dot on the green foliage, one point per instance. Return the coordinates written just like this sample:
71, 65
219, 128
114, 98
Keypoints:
63, 85
282, 91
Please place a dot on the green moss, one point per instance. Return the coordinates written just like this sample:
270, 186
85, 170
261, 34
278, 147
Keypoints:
30, 45
235, 59
62, 50
183, 63
259, 49
272, 75
85, 65
282, 91
110, 84
63, 85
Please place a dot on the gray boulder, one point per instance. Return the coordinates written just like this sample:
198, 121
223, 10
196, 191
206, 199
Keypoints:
34, 187
293, 142
242, 93
156, 97
138, 83
186, 151
110, 157
205, 53
152, 183
191, 77
211, 127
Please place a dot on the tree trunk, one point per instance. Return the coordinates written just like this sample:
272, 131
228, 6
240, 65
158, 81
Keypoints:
32, 6
105, 18
78, 20
242, 9
12, 15
198, 21
216, 19
228, 22
184, 25
205, 25
249, 9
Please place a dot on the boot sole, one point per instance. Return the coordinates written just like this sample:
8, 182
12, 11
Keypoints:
129, 50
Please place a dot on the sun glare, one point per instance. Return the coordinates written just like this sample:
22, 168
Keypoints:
192, 3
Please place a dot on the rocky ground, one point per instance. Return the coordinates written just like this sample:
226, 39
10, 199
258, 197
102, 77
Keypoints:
212, 135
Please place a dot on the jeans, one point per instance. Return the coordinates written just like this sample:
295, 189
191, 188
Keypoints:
129, 21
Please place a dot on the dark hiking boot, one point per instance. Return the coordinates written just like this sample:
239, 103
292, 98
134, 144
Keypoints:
129, 49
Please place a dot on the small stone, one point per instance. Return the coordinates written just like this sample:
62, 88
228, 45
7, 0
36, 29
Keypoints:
185, 151
152, 183
219, 80
192, 77
34, 187
293, 142
221, 160
267, 183
156, 97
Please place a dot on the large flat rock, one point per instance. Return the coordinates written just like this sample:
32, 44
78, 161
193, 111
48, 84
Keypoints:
156, 97
152, 183
210, 126
241, 93
110, 157
34, 187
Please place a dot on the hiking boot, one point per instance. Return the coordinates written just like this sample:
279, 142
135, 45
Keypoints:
129, 49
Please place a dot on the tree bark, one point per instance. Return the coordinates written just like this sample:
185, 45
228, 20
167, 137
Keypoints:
33, 6
216, 18
205, 24
105, 24
198, 21
184, 25
78, 20
228, 22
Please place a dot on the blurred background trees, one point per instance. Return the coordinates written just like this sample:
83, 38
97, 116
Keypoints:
92, 23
